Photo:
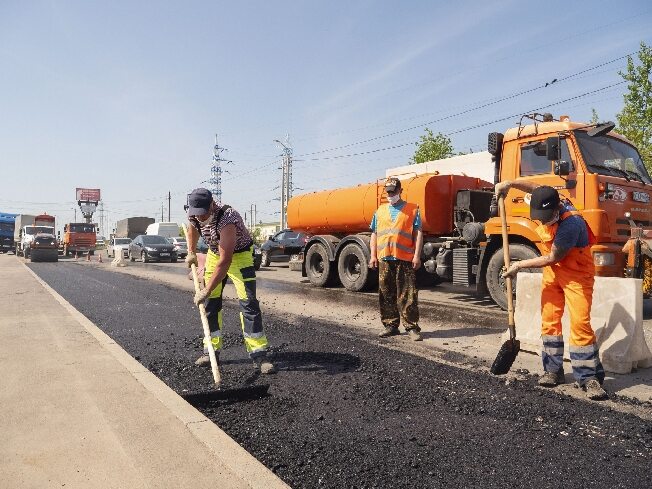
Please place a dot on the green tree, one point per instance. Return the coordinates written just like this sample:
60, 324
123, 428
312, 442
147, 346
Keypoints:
594, 117
432, 147
635, 120
255, 235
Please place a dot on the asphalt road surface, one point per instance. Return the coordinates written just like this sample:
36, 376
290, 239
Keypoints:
344, 411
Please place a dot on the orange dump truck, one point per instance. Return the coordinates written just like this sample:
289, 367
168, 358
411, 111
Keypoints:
600, 172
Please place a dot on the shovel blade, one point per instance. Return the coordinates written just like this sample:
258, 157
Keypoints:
506, 356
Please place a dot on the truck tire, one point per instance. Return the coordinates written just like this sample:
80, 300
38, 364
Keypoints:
264, 258
496, 266
353, 269
318, 266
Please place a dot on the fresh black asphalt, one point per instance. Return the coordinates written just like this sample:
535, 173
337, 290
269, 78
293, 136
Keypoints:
346, 412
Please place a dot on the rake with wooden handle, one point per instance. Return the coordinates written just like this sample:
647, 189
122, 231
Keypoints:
204, 322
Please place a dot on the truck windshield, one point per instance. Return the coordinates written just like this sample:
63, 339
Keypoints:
81, 228
7, 226
610, 156
39, 229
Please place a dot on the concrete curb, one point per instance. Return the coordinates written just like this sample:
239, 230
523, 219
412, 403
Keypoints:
221, 445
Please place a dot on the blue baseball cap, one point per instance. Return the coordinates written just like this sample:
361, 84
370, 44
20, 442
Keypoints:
199, 202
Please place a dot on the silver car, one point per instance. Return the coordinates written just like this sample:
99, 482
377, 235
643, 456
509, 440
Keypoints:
118, 245
180, 246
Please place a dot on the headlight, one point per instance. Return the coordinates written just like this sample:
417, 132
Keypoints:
52, 243
604, 259
149, 248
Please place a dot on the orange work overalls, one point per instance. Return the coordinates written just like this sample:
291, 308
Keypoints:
569, 283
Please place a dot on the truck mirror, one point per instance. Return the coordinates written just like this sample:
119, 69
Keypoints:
562, 168
552, 148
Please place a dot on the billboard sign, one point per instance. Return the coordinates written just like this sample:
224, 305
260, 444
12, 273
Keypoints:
88, 194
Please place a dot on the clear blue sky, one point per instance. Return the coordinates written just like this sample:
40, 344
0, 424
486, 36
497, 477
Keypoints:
127, 96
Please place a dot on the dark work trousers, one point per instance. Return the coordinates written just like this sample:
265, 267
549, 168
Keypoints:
397, 293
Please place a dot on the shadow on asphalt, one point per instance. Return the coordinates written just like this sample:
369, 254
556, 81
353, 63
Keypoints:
311, 361
457, 332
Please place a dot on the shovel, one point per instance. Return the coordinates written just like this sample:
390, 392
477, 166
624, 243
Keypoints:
510, 348
203, 398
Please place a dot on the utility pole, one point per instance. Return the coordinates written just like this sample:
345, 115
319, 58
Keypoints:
161, 212
102, 218
169, 203
216, 172
286, 185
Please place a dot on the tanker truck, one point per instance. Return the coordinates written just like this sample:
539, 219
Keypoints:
599, 171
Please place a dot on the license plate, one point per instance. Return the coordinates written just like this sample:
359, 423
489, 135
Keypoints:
165, 254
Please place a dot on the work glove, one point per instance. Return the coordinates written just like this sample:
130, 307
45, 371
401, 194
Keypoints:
201, 296
190, 259
502, 188
511, 271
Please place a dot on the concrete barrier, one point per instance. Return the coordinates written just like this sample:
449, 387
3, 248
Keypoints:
616, 318
119, 260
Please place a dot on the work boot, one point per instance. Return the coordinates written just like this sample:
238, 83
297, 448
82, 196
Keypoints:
594, 391
415, 335
551, 379
205, 360
264, 365
389, 331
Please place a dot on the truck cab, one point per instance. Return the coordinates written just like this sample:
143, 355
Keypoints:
79, 237
597, 170
7, 223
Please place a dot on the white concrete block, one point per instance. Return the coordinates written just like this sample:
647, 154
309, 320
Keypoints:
616, 318
119, 260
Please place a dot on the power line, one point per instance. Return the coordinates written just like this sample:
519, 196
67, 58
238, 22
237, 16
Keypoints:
472, 109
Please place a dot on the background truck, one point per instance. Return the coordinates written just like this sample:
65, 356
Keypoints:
27, 227
598, 171
165, 229
132, 227
7, 224
79, 237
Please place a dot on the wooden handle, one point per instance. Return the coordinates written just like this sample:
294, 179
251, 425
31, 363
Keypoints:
508, 280
204, 321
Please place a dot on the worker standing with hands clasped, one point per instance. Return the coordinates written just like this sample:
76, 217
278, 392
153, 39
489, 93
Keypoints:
229, 254
396, 242
568, 277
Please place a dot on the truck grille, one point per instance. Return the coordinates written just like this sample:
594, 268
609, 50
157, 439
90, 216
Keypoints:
463, 261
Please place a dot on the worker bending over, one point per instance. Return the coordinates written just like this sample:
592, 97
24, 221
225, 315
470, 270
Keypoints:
568, 277
229, 254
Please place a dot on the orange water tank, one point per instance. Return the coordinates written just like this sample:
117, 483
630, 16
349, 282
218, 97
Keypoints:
350, 210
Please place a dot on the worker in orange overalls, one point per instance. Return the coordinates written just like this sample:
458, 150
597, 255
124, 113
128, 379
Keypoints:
568, 277
396, 242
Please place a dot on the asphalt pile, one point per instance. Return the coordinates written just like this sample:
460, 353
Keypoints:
345, 412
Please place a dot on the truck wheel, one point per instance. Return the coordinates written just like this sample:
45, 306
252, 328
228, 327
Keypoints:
353, 269
496, 267
264, 258
318, 267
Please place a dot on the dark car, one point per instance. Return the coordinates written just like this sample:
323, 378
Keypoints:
282, 246
151, 247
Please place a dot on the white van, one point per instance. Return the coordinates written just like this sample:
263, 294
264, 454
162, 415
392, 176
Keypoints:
165, 229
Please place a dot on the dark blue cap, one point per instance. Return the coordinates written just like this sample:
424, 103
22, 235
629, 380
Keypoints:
199, 202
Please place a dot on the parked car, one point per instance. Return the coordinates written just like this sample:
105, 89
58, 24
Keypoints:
180, 246
281, 246
100, 242
151, 247
118, 245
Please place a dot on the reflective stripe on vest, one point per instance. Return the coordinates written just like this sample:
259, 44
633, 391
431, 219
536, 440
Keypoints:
394, 237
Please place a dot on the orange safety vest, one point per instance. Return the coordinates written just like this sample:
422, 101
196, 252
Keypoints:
395, 238
577, 259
